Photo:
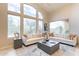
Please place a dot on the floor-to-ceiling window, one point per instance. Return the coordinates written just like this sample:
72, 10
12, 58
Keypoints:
13, 19
29, 23
23, 18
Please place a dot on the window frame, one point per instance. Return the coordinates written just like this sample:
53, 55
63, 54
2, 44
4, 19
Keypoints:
63, 26
8, 24
31, 19
27, 14
42, 25
40, 14
22, 16
13, 10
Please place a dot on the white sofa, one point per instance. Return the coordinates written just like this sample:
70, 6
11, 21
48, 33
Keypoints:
65, 41
32, 40
73, 42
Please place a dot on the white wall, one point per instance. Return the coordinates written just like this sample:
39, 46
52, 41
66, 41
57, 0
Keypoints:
72, 13
4, 42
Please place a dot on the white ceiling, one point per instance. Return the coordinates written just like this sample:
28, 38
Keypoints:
50, 7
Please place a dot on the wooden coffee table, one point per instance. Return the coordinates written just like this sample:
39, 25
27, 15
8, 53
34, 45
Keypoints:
49, 47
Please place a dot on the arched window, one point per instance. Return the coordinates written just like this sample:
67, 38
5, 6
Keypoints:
28, 15
29, 10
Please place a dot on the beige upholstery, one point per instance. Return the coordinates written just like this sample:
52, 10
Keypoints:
73, 36
64, 40
32, 40
38, 38
51, 34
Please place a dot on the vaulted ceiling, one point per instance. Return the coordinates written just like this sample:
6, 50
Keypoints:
49, 7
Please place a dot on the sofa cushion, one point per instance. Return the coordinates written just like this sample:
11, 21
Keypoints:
32, 40
72, 36
51, 34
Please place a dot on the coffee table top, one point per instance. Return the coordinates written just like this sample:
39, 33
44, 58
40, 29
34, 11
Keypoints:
50, 43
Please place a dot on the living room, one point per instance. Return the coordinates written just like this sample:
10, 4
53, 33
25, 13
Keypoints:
35, 22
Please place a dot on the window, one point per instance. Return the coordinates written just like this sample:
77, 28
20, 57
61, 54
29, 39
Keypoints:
40, 15
29, 10
29, 26
14, 7
40, 26
57, 27
13, 25
24, 15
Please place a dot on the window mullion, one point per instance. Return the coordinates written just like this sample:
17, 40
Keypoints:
37, 22
21, 19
